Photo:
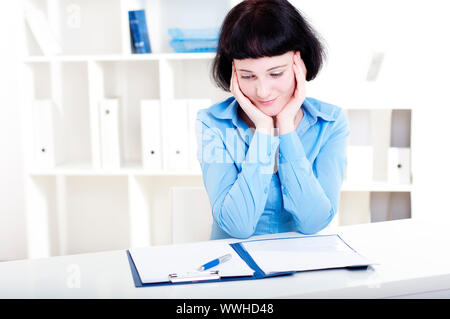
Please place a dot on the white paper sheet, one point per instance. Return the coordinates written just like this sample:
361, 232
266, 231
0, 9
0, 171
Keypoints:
303, 253
154, 264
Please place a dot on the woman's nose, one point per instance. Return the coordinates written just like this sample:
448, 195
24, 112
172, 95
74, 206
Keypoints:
262, 90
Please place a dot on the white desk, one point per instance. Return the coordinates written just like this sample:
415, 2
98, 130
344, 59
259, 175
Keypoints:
414, 261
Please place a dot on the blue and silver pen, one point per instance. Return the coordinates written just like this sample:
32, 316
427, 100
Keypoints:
215, 262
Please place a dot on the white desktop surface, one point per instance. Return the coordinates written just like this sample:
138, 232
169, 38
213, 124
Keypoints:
413, 257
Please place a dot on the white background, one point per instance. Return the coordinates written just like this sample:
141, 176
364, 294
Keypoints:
12, 206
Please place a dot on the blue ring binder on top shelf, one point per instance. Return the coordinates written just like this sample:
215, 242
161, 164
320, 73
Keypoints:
240, 248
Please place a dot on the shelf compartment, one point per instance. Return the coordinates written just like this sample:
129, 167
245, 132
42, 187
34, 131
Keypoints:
379, 146
376, 187
129, 82
154, 198
128, 169
190, 79
359, 207
43, 196
80, 26
120, 57
75, 104
96, 212
57, 110
91, 25
390, 206
162, 15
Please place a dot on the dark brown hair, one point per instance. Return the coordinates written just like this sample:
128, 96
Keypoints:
262, 28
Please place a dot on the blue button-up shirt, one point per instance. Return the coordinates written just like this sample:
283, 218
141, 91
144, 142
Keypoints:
261, 184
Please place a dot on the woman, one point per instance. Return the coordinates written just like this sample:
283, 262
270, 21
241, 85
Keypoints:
272, 160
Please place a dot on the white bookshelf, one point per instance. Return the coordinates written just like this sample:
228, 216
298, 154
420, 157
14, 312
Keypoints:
79, 206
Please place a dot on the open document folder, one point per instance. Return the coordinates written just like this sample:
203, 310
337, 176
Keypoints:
252, 259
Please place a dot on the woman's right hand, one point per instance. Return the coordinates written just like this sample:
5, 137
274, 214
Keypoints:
261, 121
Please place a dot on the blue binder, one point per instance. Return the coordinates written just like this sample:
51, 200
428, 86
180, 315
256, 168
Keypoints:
214, 276
140, 42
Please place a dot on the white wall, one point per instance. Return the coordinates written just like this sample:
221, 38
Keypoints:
12, 212
429, 66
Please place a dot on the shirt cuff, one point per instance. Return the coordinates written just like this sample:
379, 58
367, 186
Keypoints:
291, 148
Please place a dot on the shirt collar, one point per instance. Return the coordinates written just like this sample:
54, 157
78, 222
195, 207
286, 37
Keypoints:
313, 107
227, 110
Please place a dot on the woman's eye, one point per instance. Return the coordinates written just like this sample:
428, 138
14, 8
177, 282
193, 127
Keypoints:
276, 74
246, 76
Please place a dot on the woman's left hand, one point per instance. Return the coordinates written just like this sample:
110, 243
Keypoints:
291, 114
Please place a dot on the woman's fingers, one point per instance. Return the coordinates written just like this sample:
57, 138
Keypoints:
258, 118
232, 79
236, 91
298, 61
300, 75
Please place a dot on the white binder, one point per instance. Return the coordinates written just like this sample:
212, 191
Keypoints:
381, 139
175, 135
46, 118
194, 105
359, 163
151, 134
110, 133
399, 167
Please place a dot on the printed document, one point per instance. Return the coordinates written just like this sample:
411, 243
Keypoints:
154, 264
303, 253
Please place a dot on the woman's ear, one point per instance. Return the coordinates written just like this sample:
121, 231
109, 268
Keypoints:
302, 63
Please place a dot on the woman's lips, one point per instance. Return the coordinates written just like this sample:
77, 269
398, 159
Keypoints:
268, 102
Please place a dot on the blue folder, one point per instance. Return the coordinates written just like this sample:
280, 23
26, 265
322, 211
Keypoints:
140, 42
241, 251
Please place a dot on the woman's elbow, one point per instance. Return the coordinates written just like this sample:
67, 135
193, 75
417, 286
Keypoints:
241, 233
234, 231
314, 225
235, 228
310, 229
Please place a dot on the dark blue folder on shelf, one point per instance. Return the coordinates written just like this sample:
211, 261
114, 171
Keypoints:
139, 38
245, 251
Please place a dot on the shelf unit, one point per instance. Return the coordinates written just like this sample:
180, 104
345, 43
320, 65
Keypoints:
68, 205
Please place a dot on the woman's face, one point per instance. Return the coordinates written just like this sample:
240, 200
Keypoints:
268, 82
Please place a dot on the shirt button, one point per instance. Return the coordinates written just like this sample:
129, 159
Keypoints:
265, 190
